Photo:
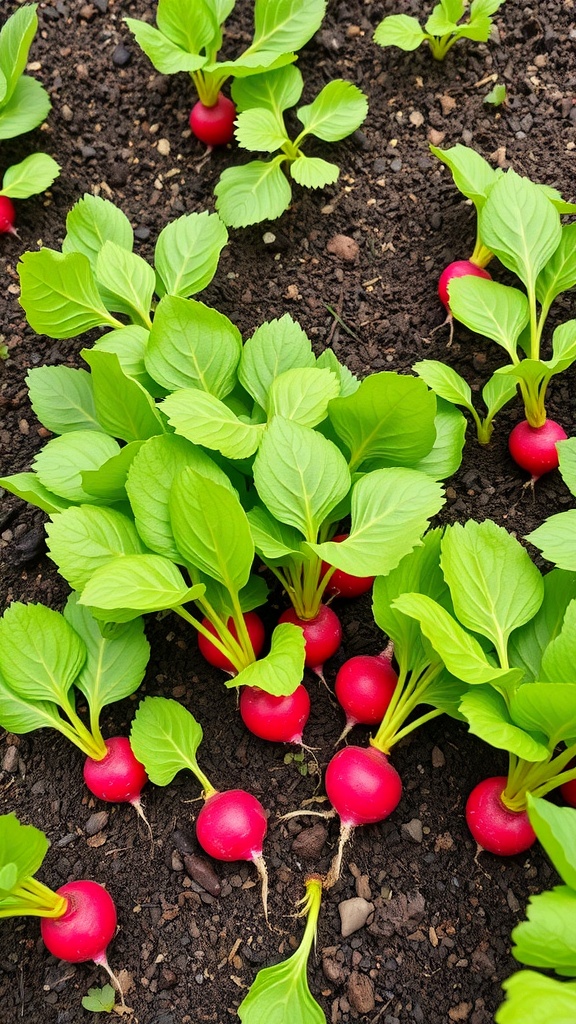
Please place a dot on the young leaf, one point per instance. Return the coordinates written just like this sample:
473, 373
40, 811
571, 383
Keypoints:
59, 294
253, 192
40, 654
282, 669
567, 456
62, 398
554, 827
137, 584
273, 540
531, 996
183, 341
453, 9
548, 938
445, 456
165, 738
26, 109
497, 393
338, 110
275, 91
126, 281
558, 658
192, 31
32, 175
549, 708
302, 394
207, 421
16, 37
109, 481
22, 715
439, 23
28, 487
80, 540
493, 310
497, 96
91, 222
285, 25
167, 57
559, 273
349, 383
312, 172
129, 343
260, 129
399, 30
473, 175
445, 382
488, 717
60, 463
275, 346
100, 1000
528, 643
22, 846
123, 406
187, 253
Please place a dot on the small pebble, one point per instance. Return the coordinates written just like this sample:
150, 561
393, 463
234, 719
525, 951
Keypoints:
360, 992
413, 829
201, 871
121, 56
10, 760
343, 246
354, 914
96, 822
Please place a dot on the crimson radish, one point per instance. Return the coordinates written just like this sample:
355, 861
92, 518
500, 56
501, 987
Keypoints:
342, 584
7, 216
322, 635
256, 634
232, 824
364, 687
279, 719
494, 826
534, 448
117, 777
459, 268
213, 125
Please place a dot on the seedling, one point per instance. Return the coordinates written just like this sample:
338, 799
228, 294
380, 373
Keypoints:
497, 97
78, 921
442, 30
99, 1000
189, 39
260, 190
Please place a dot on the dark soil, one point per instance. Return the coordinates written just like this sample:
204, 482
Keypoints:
438, 946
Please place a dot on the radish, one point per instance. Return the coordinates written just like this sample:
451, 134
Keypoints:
117, 777
213, 125
534, 448
364, 688
322, 634
342, 584
460, 268
256, 633
279, 719
232, 826
494, 827
7, 216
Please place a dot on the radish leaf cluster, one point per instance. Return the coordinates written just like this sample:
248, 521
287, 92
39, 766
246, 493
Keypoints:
443, 28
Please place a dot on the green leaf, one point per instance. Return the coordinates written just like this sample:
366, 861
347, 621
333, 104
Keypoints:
285, 25
187, 253
206, 420
390, 418
26, 109
567, 456
59, 294
100, 1000
485, 7
282, 669
559, 273
349, 383
92, 222
312, 172
211, 529
446, 454
478, 28
453, 9
62, 398
390, 512
165, 738
495, 587
520, 226
252, 193
150, 479
528, 643
444, 382
563, 347
299, 475
490, 309
257, 63
338, 110
40, 654
127, 282
399, 30
16, 37
534, 997
559, 657
32, 175
473, 175
193, 346
497, 393
275, 346
556, 539
274, 541
166, 56
109, 482
488, 717
192, 30
548, 938
21, 845
60, 463
497, 96
260, 129
28, 487
114, 667
302, 395
22, 715
137, 584
275, 91
548, 708
439, 24
123, 406
129, 343
555, 827
81, 540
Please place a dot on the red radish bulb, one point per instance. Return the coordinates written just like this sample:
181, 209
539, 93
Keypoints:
494, 827
322, 635
87, 926
364, 687
213, 656
214, 126
232, 826
7, 216
460, 268
362, 785
118, 777
534, 448
342, 584
279, 719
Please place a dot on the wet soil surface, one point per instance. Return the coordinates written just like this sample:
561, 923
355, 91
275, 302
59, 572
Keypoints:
436, 945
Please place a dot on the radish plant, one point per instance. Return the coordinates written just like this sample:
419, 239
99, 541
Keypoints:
189, 39
46, 659
443, 28
260, 190
281, 992
547, 939
232, 823
78, 921
556, 537
24, 103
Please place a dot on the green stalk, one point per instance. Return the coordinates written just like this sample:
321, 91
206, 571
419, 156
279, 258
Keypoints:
32, 898
91, 745
481, 255
407, 695
208, 86
215, 640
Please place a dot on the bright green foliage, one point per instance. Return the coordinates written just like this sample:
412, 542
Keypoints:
556, 537
548, 938
100, 1000
497, 97
189, 38
22, 850
165, 738
260, 190
442, 30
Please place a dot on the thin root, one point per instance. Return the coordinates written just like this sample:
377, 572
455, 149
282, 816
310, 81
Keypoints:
137, 805
317, 814
103, 962
263, 875
347, 728
333, 873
